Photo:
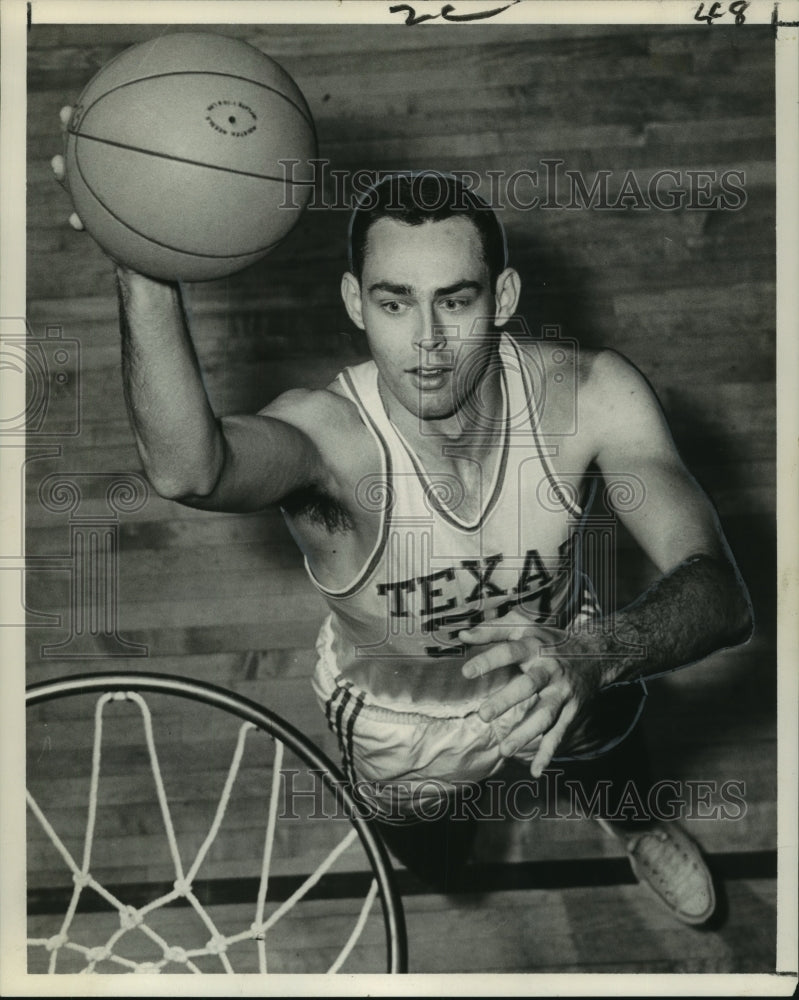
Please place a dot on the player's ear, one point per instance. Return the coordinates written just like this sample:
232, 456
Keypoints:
351, 294
506, 296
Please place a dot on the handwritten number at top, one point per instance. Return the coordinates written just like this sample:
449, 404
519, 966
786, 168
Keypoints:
718, 10
447, 12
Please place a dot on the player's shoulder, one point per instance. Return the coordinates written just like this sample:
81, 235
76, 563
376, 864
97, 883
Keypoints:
564, 362
308, 408
616, 399
332, 422
578, 382
608, 377
596, 390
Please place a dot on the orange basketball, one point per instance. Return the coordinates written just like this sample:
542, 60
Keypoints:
187, 156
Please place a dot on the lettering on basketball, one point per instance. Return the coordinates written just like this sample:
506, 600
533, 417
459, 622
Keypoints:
231, 118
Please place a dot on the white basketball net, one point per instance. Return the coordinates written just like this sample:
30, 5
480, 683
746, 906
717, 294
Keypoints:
135, 918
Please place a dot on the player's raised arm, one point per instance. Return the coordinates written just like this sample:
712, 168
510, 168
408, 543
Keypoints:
232, 464
239, 463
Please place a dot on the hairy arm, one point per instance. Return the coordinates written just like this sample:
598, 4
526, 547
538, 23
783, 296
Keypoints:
699, 607
700, 603
240, 463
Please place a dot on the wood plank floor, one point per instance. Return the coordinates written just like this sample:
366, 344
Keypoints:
601, 929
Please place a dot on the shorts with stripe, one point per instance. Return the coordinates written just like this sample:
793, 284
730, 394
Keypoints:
400, 760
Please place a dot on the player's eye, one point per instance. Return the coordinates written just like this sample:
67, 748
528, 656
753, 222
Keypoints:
453, 305
393, 307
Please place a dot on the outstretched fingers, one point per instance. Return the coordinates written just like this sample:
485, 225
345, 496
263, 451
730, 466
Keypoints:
502, 654
490, 632
535, 724
552, 740
520, 688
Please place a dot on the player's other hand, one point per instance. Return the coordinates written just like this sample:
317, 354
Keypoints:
59, 168
563, 687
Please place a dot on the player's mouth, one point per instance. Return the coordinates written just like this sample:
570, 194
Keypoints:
430, 377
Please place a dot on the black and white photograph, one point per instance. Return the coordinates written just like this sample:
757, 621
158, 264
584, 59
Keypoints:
399, 565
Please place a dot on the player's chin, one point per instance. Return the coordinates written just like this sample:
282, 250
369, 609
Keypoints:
434, 405
434, 413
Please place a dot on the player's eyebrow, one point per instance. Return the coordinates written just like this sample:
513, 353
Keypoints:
388, 286
458, 286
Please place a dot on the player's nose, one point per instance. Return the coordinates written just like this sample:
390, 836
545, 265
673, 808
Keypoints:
431, 335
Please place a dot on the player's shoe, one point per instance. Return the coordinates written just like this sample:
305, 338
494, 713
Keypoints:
671, 866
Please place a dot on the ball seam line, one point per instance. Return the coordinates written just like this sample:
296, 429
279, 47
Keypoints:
185, 159
166, 246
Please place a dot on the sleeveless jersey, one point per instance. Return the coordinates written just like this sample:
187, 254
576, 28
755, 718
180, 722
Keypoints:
433, 572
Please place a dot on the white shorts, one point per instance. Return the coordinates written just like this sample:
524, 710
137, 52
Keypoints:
402, 757
402, 760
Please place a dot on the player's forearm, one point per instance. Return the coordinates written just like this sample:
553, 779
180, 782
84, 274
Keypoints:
177, 434
696, 609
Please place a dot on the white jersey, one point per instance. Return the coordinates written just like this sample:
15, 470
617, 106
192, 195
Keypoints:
432, 572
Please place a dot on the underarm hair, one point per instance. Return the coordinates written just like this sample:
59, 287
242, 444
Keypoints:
319, 508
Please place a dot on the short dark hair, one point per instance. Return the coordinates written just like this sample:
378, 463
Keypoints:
427, 196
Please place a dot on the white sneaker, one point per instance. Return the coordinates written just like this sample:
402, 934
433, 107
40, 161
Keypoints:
670, 865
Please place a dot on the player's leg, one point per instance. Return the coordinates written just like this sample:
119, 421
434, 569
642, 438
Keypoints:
416, 775
435, 848
614, 776
606, 764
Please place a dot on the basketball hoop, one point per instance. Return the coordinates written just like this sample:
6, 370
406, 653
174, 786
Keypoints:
275, 896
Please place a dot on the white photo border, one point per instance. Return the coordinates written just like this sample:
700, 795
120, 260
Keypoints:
784, 15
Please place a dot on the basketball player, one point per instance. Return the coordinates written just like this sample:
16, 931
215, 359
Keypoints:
437, 494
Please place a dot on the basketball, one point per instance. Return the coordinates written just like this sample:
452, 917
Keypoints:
187, 156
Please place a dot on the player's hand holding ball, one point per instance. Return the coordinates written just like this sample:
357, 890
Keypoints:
60, 170
563, 688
